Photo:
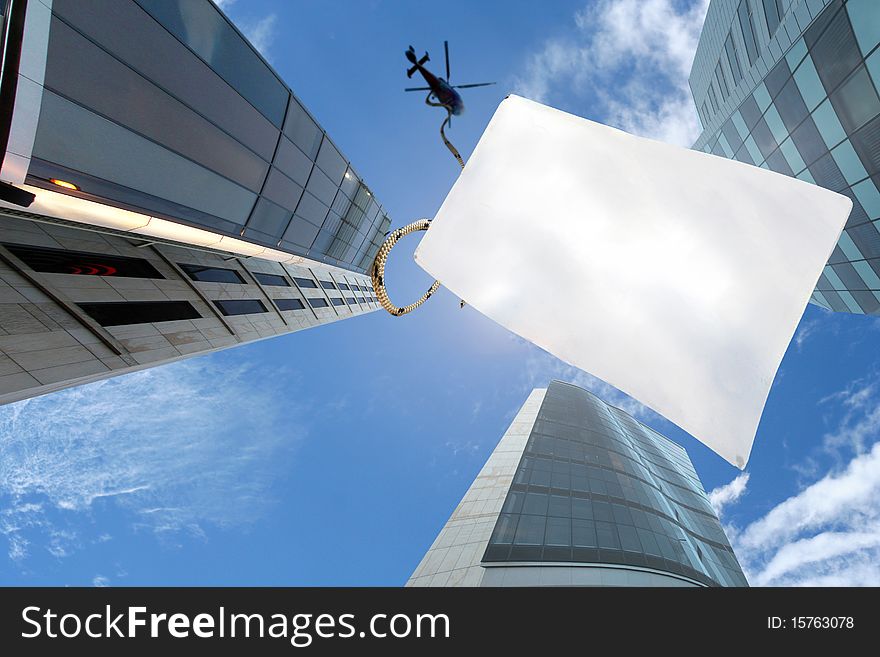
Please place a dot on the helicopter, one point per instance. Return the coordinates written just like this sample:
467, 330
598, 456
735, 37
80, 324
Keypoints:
444, 94
438, 88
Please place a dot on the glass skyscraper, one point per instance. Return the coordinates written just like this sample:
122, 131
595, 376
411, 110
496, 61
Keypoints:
791, 86
182, 198
577, 492
162, 107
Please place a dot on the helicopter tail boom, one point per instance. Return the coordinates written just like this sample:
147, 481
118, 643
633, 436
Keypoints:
411, 56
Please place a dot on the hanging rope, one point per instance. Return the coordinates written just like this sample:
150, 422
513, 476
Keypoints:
377, 272
452, 149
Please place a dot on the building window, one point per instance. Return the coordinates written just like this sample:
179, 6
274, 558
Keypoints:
226, 52
856, 101
713, 99
809, 142
360, 299
790, 105
350, 300
240, 307
212, 274
317, 303
722, 82
328, 285
774, 12
338, 302
344, 286
305, 282
733, 59
704, 113
271, 279
289, 304
122, 313
747, 25
730, 133
835, 53
80, 263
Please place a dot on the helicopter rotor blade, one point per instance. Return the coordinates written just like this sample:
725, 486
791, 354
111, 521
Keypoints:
470, 86
418, 89
446, 49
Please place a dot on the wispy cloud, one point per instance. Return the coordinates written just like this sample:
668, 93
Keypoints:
627, 59
728, 493
178, 448
542, 367
805, 330
829, 532
261, 31
860, 423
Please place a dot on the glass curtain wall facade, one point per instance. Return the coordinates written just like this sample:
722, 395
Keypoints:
578, 493
596, 486
164, 108
799, 81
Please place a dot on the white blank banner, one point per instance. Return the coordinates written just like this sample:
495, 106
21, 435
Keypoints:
675, 275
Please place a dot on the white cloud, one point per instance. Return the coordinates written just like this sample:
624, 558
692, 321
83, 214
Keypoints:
178, 448
629, 57
861, 420
100, 581
805, 330
728, 493
850, 496
827, 534
542, 367
18, 547
260, 32
815, 558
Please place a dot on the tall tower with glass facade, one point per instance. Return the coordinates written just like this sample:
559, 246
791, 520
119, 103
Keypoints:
578, 493
791, 86
163, 193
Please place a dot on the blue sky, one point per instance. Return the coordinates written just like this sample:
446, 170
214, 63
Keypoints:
333, 456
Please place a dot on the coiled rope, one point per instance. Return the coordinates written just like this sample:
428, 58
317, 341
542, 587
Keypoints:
377, 271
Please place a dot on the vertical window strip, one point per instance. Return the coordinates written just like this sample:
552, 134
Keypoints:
722, 81
773, 13
747, 25
713, 99
733, 58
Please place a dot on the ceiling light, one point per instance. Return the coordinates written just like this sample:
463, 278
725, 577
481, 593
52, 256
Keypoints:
64, 184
